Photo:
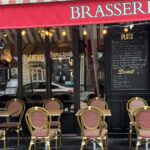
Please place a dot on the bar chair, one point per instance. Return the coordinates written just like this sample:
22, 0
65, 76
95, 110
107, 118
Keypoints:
142, 126
55, 104
13, 123
91, 120
39, 122
133, 104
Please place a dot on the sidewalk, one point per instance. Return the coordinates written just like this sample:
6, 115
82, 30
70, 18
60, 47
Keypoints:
71, 143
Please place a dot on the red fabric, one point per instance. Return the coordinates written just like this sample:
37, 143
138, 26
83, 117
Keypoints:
90, 119
52, 104
59, 14
144, 119
94, 133
98, 103
136, 103
38, 119
144, 133
8, 2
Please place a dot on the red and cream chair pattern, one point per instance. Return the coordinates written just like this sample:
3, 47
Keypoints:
142, 125
98, 102
91, 120
18, 106
38, 121
133, 104
55, 104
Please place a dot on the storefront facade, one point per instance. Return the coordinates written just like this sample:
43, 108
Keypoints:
93, 50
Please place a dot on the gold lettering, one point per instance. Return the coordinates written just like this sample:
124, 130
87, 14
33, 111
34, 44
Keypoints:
122, 71
127, 36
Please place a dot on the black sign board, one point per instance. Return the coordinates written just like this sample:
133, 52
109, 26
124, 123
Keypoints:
129, 59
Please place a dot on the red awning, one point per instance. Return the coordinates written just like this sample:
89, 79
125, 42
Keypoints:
9, 2
72, 13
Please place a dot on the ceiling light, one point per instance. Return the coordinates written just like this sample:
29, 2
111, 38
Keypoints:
84, 32
126, 29
23, 32
64, 33
104, 31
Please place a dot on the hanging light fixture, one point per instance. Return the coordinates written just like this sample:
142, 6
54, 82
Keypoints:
104, 31
5, 34
84, 32
64, 33
126, 29
45, 32
23, 32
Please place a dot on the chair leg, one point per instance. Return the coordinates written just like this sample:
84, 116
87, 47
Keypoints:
130, 134
60, 136
106, 140
4, 143
35, 146
56, 142
30, 145
82, 144
22, 132
18, 136
4, 140
48, 144
137, 144
101, 145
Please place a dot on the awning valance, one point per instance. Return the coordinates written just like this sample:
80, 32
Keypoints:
71, 13
9, 2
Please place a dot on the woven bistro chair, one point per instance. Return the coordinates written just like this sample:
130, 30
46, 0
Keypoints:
91, 120
13, 123
142, 125
2, 137
38, 122
98, 102
133, 104
55, 104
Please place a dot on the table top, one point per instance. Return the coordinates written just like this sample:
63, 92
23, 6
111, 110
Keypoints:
55, 112
6, 113
106, 112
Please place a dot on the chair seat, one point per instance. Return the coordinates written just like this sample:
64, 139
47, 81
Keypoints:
43, 132
94, 133
144, 133
2, 132
55, 123
9, 125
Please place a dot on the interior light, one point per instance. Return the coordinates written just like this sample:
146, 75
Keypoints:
23, 32
104, 31
64, 33
5, 34
46, 33
84, 32
126, 29
50, 34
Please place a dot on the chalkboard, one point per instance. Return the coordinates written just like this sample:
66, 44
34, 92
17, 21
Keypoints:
130, 59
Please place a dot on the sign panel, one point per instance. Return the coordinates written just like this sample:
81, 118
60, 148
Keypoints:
130, 59
71, 13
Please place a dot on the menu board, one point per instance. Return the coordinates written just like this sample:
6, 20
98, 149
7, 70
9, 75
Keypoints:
130, 59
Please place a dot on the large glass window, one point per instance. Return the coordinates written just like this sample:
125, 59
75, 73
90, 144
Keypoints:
91, 63
34, 71
8, 63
